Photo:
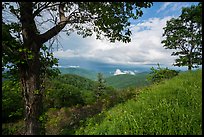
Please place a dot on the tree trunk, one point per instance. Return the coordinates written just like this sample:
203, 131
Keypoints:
30, 81
33, 105
189, 63
190, 59
189, 67
31, 70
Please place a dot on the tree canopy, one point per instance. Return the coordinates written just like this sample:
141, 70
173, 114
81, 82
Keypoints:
184, 34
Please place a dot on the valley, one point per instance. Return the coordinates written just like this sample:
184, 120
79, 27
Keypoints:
119, 81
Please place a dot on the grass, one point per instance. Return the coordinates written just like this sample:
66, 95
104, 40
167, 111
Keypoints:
173, 107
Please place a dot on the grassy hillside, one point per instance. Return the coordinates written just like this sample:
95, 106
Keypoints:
173, 107
127, 80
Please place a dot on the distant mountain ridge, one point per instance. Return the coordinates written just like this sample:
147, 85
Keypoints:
79, 71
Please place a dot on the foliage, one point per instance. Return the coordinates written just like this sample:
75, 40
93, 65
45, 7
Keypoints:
14, 128
77, 81
12, 102
184, 35
159, 74
47, 62
88, 97
110, 19
160, 109
69, 90
64, 95
65, 120
8, 58
11, 60
66, 91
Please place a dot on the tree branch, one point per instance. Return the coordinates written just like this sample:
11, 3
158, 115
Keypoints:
74, 17
57, 28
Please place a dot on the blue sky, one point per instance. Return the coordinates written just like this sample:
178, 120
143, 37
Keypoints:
145, 47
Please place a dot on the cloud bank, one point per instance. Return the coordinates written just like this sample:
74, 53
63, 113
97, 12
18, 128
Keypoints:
145, 47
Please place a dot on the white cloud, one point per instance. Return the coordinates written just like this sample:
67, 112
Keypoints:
164, 6
173, 7
145, 47
119, 72
66, 54
129, 72
73, 66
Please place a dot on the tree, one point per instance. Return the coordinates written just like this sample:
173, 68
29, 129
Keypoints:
108, 19
184, 34
100, 86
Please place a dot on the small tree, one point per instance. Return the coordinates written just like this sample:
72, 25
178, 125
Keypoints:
184, 34
100, 87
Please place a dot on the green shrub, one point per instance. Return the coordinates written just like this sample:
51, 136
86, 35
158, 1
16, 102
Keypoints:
14, 128
56, 120
88, 97
63, 95
159, 74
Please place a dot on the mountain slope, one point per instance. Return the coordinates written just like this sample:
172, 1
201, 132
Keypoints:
76, 81
127, 80
173, 107
80, 72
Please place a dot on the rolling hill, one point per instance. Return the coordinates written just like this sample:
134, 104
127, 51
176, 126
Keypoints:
80, 72
117, 81
75, 80
127, 80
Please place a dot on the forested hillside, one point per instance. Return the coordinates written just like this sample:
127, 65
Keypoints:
80, 72
78, 95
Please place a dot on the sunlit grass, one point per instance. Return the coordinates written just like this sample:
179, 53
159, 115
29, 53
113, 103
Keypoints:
173, 107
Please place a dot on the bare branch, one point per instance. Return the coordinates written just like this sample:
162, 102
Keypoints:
41, 8
54, 18
57, 28
44, 21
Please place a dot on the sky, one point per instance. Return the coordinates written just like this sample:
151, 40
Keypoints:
145, 46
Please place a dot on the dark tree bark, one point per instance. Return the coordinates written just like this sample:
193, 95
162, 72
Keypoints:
190, 58
30, 81
30, 70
